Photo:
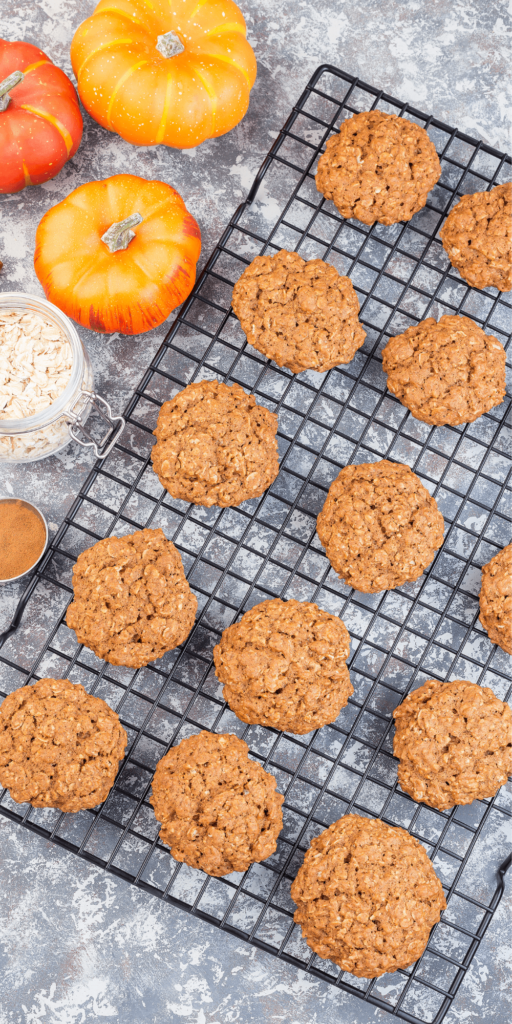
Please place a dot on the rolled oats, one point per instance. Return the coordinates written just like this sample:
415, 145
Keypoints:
35, 368
35, 363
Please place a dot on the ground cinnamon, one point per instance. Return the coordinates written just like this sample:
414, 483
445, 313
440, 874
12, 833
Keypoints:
22, 538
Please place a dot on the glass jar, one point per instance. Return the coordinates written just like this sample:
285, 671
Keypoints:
35, 437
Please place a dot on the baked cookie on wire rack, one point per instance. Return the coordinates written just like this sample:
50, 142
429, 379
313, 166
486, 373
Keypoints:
379, 167
367, 896
379, 526
477, 235
496, 599
215, 445
302, 314
132, 602
454, 742
449, 372
284, 665
59, 746
219, 809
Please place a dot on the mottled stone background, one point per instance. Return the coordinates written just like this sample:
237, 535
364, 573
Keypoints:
77, 944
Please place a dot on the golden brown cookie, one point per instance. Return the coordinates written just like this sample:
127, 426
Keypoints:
379, 168
283, 665
367, 897
454, 741
132, 601
446, 372
379, 526
477, 235
496, 599
303, 315
215, 446
219, 810
59, 747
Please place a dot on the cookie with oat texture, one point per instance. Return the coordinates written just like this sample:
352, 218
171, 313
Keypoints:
215, 445
367, 897
219, 809
379, 167
59, 746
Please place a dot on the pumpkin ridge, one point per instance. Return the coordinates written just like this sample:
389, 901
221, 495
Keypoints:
197, 8
161, 127
99, 49
165, 201
32, 67
92, 265
227, 26
120, 13
232, 63
211, 96
54, 121
124, 77
26, 175
184, 263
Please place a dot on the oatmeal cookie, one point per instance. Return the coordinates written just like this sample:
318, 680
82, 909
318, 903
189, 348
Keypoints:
367, 897
132, 601
219, 810
454, 742
446, 372
215, 446
496, 599
283, 665
303, 315
380, 167
59, 747
379, 526
477, 235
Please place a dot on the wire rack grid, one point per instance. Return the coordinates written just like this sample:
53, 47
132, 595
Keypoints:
268, 547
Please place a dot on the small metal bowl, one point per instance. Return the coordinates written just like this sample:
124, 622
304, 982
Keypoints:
28, 504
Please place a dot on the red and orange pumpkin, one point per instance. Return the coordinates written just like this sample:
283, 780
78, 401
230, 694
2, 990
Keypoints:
119, 254
176, 73
40, 119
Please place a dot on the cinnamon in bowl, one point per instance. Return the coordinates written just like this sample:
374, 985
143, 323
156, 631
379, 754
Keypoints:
23, 537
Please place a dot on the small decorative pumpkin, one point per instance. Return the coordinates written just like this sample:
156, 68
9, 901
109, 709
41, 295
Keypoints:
119, 254
40, 119
170, 71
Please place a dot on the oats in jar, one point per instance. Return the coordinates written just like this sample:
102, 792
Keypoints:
35, 363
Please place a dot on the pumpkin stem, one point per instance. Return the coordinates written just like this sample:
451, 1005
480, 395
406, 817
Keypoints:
118, 236
169, 45
9, 83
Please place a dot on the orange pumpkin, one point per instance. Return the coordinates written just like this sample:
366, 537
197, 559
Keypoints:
170, 71
40, 120
118, 254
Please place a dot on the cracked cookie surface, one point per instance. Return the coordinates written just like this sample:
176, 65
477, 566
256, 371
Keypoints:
132, 602
379, 526
59, 746
446, 373
303, 315
219, 809
283, 665
477, 236
367, 896
496, 599
454, 742
379, 167
215, 445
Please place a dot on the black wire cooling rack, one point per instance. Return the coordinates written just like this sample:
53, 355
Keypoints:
267, 547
